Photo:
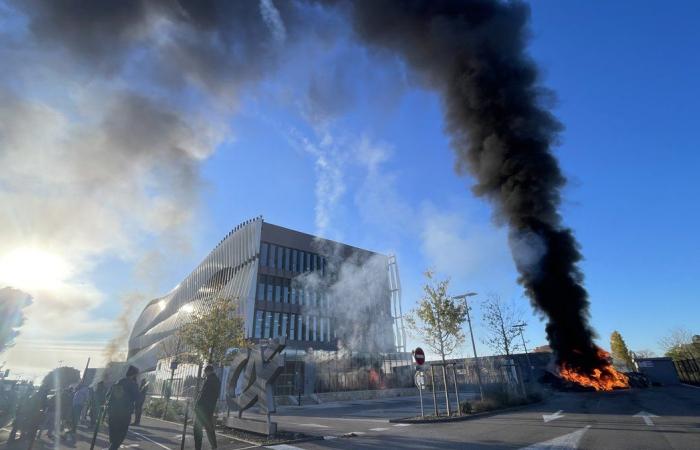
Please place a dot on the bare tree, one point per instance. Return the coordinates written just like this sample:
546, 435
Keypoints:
678, 344
499, 319
643, 353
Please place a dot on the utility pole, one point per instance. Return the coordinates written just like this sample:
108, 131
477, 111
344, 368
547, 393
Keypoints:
471, 333
519, 327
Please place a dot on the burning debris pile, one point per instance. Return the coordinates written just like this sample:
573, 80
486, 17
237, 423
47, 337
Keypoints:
604, 378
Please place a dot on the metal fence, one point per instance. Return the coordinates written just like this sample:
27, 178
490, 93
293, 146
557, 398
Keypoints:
688, 370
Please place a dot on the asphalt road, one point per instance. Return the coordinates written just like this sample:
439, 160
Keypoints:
657, 418
591, 420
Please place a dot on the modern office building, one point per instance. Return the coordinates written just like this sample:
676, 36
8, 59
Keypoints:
321, 295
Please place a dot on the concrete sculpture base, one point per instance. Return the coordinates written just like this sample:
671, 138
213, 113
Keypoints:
256, 426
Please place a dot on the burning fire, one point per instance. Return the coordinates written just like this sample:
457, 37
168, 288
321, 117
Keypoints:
605, 378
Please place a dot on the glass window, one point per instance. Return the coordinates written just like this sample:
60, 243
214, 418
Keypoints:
287, 262
292, 326
304, 327
323, 266
264, 247
285, 292
267, 318
258, 324
321, 334
294, 260
284, 325
280, 253
270, 288
328, 329
307, 262
272, 260
294, 295
275, 325
261, 288
312, 262
278, 291
314, 334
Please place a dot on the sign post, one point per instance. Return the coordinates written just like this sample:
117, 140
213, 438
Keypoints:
419, 356
420, 384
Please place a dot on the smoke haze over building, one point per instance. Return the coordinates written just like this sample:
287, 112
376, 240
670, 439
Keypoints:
171, 73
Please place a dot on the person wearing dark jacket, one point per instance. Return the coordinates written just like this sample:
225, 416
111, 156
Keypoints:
204, 408
143, 392
120, 405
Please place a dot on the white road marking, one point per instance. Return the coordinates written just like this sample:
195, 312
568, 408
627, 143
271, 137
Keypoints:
284, 447
378, 429
647, 417
314, 425
567, 442
402, 425
555, 416
149, 439
329, 438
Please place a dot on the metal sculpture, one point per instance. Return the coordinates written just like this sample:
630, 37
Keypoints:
255, 370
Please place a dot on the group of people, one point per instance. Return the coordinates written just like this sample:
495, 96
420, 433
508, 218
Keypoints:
126, 397
67, 408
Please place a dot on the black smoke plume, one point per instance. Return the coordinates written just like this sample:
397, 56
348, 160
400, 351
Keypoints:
473, 52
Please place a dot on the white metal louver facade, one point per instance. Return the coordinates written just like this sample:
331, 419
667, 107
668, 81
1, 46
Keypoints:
230, 271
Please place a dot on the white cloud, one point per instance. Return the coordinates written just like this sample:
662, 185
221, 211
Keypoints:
465, 249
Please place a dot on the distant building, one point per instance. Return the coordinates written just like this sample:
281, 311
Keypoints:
319, 294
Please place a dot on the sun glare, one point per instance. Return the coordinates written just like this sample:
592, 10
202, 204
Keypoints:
32, 268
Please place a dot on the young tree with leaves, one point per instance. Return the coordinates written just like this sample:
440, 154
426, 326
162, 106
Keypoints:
209, 335
438, 319
499, 319
619, 350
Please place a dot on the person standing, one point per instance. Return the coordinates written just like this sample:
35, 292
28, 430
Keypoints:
79, 399
204, 408
143, 392
98, 400
120, 405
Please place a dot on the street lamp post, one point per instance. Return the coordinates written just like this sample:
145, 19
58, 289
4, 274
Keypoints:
471, 333
519, 327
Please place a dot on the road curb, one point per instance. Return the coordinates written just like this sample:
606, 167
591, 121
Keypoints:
480, 415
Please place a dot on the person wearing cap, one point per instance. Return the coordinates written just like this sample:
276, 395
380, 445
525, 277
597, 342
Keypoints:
204, 408
120, 405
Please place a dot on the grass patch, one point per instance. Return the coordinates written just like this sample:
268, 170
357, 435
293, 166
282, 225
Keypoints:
500, 397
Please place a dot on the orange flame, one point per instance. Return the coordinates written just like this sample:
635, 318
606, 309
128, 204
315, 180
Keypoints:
605, 378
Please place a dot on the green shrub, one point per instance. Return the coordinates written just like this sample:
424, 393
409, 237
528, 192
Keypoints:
465, 407
155, 406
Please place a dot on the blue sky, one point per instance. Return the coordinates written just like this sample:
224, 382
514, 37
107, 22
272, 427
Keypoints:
626, 81
376, 171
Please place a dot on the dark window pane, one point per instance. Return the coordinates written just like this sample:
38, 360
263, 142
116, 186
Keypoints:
280, 253
267, 318
312, 262
272, 260
264, 248
261, 289
270, 289
295, 255
287, 262
285, 293
278, 291
292, 326
258, 324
